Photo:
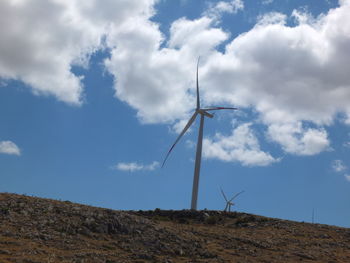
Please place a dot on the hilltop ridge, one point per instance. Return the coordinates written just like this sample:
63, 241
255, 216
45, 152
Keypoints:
34, 230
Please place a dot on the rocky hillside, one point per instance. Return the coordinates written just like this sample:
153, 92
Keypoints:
43, 230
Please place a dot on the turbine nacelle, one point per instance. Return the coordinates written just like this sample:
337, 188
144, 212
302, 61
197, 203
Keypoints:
229, 202
205, 113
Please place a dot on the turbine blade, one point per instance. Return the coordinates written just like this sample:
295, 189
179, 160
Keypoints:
223, 194
236, 196
198, 101
189, 123
220, 108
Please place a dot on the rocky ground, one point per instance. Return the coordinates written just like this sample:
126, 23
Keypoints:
43, 230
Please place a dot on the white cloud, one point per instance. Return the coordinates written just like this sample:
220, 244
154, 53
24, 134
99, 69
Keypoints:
134, 166
241, 146
347, 177
346, 144
159, 82
272, 18
8, 147
297, 140
42, 39
303, 17
221, 7
179, 125
338, 166
290, 75
191, 144
298, 72
267, 2
293, 77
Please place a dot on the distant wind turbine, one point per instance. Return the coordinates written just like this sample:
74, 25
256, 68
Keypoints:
229, 203
203, 112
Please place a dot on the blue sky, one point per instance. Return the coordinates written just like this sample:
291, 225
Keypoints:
92, 96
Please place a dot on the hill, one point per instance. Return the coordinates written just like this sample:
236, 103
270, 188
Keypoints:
41, 230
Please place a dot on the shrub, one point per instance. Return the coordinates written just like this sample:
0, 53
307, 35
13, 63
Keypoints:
211, 220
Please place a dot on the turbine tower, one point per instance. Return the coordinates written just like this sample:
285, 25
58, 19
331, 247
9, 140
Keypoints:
229, 203
203, 112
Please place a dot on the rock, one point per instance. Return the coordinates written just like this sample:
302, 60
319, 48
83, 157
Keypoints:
4, 252
80, 233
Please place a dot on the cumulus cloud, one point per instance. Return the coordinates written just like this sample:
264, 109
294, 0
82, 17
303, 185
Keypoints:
158, 82
241, 146
294, 78
40, 53
303, 17
41, 40
294, 73
338, 166
8, 147
218, 9
297, 140
134, 167
272, 18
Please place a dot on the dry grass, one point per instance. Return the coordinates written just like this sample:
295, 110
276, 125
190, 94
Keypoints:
43, 230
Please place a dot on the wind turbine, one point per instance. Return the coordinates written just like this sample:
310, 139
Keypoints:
203, 112
229, 203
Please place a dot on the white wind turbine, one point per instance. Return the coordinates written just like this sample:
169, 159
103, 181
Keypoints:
203, 112
229, 203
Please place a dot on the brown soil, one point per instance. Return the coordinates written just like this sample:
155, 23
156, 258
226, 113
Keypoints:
42, 230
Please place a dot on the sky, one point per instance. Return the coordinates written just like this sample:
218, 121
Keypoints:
93, 94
